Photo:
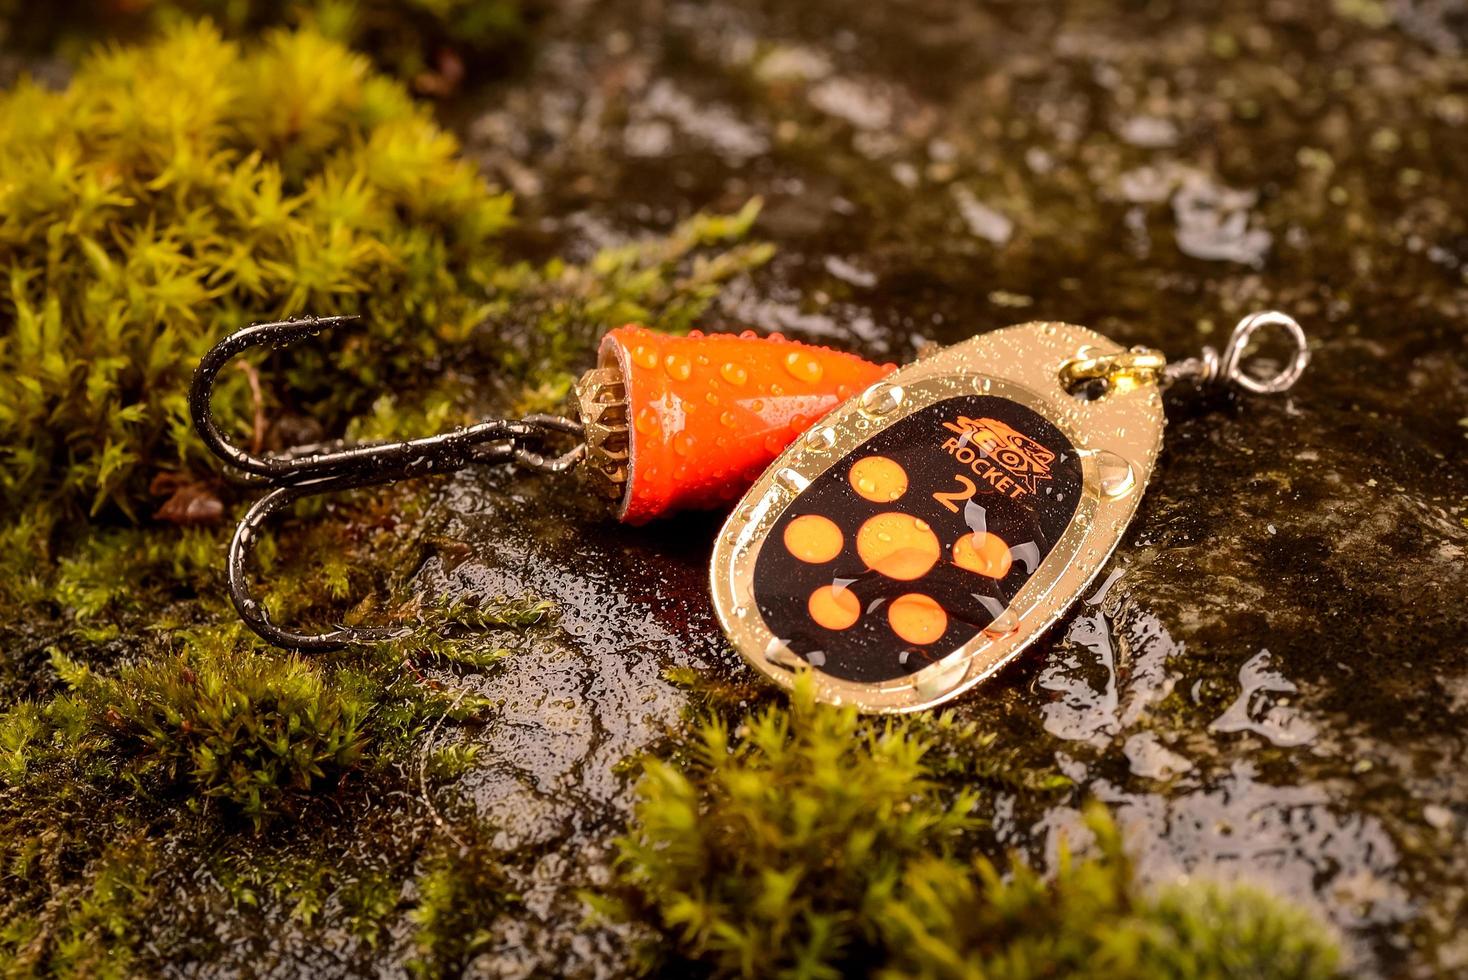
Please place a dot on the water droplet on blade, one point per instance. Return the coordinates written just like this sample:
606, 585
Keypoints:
678, 367
791, 480
932, 682
1003, 625
882, 399
821, 437
1115, 474
644, 356
778, 652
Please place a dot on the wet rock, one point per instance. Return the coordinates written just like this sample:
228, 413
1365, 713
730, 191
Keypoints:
935, 169
1170, 170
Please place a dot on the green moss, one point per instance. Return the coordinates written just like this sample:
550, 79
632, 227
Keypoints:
1091, 918
252, 730
192, 739
422, 40
94, 936
174, 191
667, 282
115, 571
77, 870
773, 851
190, 749
461, 890
810, 843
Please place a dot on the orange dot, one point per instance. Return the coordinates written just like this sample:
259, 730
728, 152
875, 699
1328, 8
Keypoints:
834, 607
984, 553
898, 545
813, 538
878, 479
917, 618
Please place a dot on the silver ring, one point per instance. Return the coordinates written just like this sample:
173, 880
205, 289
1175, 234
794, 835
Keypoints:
1231, 365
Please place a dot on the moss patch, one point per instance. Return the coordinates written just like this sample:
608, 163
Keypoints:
161, 772
174, 191
810, 843
425, 41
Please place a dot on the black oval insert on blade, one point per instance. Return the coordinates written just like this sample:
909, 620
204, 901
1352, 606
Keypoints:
910, 545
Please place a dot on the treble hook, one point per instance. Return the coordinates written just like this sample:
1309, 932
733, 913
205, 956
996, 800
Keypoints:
308, 471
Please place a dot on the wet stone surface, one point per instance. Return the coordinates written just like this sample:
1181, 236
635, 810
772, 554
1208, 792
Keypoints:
581, 698
1272, 682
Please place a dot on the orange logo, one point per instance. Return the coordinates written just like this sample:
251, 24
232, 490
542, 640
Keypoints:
1024, 459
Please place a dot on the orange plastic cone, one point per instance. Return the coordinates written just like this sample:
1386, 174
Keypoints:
708, 412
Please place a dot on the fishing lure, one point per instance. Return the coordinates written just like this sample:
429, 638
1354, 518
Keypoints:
902, 533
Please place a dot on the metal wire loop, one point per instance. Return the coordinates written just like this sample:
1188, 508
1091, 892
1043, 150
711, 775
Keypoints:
322, 468
1231, 367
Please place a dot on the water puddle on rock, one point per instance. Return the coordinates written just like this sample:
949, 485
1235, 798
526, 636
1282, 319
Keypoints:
1198, 803
580, 693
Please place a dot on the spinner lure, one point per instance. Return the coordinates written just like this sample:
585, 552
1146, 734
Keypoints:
900, 534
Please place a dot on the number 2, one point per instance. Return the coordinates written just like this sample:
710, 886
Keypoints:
950, 500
